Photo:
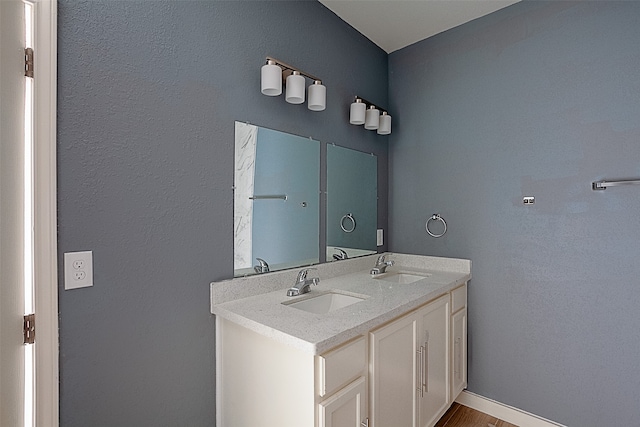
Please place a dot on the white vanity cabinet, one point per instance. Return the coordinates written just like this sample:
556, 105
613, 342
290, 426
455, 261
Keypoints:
346, 408
410, 368
396, 358
261, 382
458, 341
342, 386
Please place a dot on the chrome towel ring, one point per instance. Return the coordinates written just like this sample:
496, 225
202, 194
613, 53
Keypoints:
436, 217
351, 219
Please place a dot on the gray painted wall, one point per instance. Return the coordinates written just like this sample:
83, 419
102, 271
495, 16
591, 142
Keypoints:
538, 99
148, 92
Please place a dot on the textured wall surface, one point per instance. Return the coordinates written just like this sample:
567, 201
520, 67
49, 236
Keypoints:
148, 93
538, 99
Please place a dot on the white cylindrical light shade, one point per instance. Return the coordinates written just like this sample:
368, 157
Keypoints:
271, 81
384, 127
357, 112
372, 118
295, 89
317, 96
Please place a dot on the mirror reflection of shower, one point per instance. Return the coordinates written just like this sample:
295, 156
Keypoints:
276, 200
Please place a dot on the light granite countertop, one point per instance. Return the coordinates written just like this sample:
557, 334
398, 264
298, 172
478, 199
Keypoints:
256, 302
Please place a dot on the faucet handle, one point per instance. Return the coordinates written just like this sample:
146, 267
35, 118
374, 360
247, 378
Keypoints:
380, 260
302, 274
262, 266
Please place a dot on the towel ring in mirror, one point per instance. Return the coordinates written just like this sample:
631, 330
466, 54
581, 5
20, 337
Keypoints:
351, 219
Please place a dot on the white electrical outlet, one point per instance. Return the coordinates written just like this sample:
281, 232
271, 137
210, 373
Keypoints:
78, 269
380, 237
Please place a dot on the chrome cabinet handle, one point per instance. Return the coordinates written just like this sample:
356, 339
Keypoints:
365, 423
420, 364
457, 352
425, 371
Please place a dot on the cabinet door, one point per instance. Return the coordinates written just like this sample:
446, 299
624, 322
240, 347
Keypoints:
346, 408
434, 369
392, 375
459, 353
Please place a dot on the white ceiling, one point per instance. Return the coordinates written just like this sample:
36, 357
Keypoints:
394, 24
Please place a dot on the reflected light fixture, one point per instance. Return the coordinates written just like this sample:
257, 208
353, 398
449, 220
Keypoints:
274, 72
363, 112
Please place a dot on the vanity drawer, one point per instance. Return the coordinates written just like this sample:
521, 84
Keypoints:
458, 298
340, 366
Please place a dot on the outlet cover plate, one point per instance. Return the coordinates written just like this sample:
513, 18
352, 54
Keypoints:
380, 237
78, 270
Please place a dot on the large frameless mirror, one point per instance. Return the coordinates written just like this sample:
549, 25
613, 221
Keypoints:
276, 200
352, 203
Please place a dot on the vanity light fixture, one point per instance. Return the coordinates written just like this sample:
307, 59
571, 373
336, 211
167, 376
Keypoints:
384, 126
275, 72
370, 117
357, 112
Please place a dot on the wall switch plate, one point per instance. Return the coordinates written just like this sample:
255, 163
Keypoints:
78, 270
380, 237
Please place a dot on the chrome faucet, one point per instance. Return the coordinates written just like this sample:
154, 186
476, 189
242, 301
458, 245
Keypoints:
263, 267
341, 255
381, 266
302, 285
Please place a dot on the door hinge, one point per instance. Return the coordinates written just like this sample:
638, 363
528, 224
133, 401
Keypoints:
29, 328
28, 62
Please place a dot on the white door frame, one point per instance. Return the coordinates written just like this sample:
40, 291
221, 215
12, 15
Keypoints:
45, 219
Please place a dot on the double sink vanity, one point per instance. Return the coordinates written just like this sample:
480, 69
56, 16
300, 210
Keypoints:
359, 349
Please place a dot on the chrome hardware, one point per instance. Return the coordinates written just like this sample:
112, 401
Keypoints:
365, 423
302, 285
420, 373
28, 62
381, 266
29, 328
262, 266
425, 370
602, 185
344, 228
341, 255
457, 351
269, 196
436, 217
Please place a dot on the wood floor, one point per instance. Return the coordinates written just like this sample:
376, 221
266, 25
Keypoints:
462, 416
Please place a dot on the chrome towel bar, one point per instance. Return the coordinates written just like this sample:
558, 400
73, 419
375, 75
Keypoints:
602, 185
274, 196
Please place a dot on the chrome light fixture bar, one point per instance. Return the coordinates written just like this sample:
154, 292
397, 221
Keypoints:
363, 112
275, 72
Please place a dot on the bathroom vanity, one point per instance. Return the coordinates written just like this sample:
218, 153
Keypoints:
384, 350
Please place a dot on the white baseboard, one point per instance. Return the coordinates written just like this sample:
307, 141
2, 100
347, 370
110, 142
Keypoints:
504, 412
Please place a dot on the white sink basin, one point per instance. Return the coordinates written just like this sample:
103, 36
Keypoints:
402, 277
324, 303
